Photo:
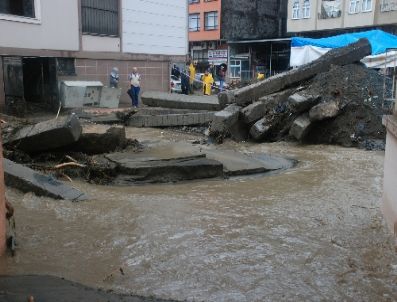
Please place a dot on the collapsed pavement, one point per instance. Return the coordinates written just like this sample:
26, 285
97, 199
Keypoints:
104, 155
332, 100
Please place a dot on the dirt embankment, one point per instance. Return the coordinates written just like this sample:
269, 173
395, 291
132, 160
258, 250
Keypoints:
359, 92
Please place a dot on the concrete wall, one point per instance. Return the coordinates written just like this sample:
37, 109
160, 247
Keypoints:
386, 17
389, 199
2, 96
299, 25
361, 19
253, 19
96, 43
155, 27
56, 27
201, 8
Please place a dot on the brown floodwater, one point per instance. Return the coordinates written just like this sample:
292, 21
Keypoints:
311, 233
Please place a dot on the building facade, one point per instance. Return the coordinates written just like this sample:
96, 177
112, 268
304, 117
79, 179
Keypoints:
45, 41
205, 43
241, 34
316, 18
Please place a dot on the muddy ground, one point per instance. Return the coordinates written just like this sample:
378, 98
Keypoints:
313, 233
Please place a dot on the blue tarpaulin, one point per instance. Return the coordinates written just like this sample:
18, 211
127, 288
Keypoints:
379, 40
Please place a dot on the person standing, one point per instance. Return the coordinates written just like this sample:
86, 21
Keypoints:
208, 80
221, 76
192, 75
114, 78
135, 81
185, 82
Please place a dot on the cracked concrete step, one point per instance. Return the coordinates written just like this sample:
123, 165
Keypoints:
28, 180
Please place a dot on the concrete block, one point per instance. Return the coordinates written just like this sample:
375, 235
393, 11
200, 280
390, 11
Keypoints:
180, 101
97, 142
259, 130
28, 180
339, 56
253, 112
301, 127
47, 135
224, 119
171, 120
323, 111
110, 97
301, 103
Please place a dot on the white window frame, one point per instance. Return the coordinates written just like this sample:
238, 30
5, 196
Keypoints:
366, 6
354, 6
211, 20
306, 9
35, 20
198, 17
295, 10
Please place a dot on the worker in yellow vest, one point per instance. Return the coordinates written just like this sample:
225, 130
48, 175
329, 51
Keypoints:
208, 81
192, 75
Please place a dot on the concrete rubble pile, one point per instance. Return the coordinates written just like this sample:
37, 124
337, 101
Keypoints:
333, 99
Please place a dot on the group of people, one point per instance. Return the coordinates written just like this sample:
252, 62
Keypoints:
135, 82
188, 77
187, 80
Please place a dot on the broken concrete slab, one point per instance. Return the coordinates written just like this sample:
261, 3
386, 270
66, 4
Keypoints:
339, 56
28, 180
48, 288
323, 111
300, 103
236, 163
170, 120
259, 130
47, 135
94, 140
180, 101
168, 170
253, 112
301, 127
225, 119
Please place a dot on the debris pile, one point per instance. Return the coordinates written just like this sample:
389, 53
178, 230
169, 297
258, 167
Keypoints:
333, 100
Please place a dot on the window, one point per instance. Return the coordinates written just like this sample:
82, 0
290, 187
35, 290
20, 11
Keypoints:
194, 1
235, 69
211, 20
295, 10
366, 6
354, 6
66, 66
194, 22
100, 17
22, 8
306, 9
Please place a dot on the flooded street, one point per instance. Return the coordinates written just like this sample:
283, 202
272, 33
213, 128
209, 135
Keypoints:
311, 233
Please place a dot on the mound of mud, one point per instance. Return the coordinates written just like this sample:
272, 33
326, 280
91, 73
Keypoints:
360, 93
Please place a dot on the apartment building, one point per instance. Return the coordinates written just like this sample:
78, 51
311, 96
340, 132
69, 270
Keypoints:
239, 33
205, 44
45, 41
316, 18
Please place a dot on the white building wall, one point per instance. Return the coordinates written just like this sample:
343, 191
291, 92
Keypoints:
56, 27
155, 27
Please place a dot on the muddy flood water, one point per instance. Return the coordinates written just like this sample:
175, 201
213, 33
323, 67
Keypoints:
312, 233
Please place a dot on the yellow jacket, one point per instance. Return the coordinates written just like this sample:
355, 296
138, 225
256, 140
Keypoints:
207, 84
261, 76
192, 73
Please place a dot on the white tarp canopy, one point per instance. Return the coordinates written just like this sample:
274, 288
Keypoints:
305, 50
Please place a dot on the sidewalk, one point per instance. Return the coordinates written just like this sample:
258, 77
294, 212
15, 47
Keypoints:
51, 289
